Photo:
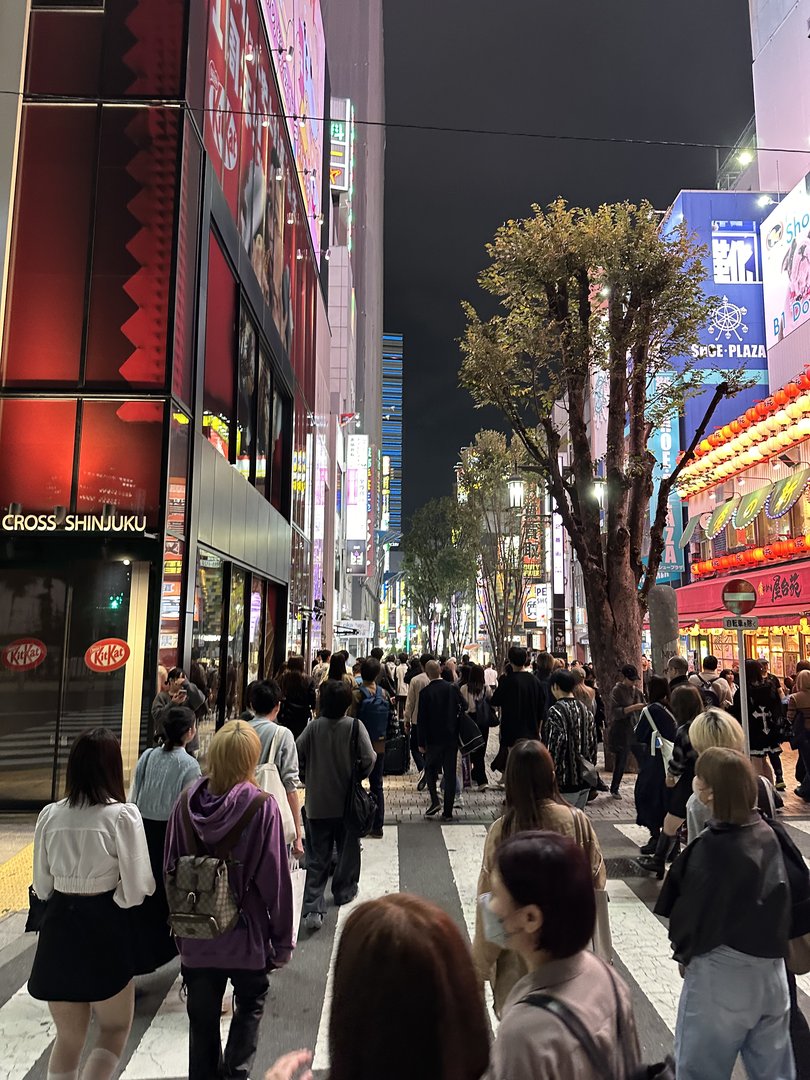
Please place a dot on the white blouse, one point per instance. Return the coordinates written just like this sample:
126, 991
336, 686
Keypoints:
92, 849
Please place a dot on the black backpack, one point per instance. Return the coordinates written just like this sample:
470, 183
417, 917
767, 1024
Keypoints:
711, 699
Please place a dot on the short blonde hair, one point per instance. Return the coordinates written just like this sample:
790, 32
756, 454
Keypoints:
232, 756
731, 777
715, 727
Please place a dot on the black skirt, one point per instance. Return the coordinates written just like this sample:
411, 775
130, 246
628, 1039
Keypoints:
84, 951
679, 795
153, 942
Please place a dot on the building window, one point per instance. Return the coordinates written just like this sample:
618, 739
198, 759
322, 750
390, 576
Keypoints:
235, 659
36, 453
179, 449
220, 351
206, 645
264, 424
245, 422
255, 616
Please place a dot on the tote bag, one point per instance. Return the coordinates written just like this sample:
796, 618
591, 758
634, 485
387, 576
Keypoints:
269, 780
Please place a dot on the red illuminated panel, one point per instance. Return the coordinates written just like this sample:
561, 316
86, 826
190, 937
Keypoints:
36, 453
144, 48
220, 350
49, 257
132, 252
185, 300
64, 53
120, 457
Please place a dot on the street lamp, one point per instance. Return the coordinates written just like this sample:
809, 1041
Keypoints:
600, 490
517, 489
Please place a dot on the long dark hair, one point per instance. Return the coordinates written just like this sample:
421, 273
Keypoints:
294, 680
529, 781
95, 771
424, 981
337, 667
685, 703
475, 680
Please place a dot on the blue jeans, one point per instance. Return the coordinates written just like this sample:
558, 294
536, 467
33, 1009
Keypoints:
731, 1004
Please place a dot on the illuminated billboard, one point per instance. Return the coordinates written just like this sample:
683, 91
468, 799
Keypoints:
357, 488
298, 47
786, 264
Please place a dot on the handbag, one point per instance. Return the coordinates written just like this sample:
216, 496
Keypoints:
298, 877
36, 912
470, 737
361, 805
269, 779
485, 714
657, 741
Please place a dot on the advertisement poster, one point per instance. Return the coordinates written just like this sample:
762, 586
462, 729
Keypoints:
357, 489
665, 444
786, 264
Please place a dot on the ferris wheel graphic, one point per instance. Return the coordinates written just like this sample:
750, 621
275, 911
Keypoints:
727, 321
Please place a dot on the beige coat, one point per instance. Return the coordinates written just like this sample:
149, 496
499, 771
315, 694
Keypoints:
532, 1044
502, 967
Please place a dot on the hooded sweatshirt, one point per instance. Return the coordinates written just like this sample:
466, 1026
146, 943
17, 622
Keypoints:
259, 876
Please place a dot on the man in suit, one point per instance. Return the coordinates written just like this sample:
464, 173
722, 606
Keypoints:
440, 706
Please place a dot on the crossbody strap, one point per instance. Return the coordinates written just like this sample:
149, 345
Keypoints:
572, 1022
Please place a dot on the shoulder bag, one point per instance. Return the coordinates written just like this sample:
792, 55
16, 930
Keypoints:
361, 805
588, 772
664, 1070
658, 742
269, 779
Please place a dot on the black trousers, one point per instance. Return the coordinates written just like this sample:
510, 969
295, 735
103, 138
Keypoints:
442, 758
375, 784
416, 753
323, 834
206, 988
622, 756
478, 760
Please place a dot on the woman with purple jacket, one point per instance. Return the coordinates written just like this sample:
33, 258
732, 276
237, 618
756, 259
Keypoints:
259, 876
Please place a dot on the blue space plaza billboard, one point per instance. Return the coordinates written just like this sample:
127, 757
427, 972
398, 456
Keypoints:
727, 224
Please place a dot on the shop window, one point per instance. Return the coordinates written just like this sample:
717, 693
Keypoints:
245, 422
185, 297
174, 554
48, 272
206, 643
220, 349
36, 453
264, 420
120, 458
235, 659
178, 473
132, 248
255, 616
279, 483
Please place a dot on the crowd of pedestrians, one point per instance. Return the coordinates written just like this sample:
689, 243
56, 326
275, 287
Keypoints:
200, 862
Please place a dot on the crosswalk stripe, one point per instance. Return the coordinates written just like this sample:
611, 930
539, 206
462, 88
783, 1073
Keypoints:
642, 944
637, 833
802, 826
163, 1049
27, 1030
379, 876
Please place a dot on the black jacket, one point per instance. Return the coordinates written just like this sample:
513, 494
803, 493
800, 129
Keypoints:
521, 700
729, 887
440, 706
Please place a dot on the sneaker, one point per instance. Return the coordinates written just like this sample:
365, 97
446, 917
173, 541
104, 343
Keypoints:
376, 835
483, 787
433, 811
780, 785
615, 795
447, 817
313, 921
421, 783
458, 804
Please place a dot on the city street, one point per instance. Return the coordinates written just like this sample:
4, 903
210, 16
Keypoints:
425, 857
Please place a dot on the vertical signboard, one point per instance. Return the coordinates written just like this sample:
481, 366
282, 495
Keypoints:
727, 224
665, 445
558, 584
786, 264
357, 493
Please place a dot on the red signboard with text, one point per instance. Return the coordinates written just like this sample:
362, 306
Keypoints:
24, 654
109, 654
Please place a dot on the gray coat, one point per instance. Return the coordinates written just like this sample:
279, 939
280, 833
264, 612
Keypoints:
325, 758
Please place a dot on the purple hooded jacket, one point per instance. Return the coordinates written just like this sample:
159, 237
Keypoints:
262, 939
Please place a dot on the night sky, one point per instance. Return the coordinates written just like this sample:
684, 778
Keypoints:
643, 69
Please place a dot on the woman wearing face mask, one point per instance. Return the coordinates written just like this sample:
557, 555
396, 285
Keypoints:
532, 803
728, 902
542, 906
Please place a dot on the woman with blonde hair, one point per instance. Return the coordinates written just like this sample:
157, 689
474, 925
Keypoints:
714, 727
224, 814
533, 802
728, 902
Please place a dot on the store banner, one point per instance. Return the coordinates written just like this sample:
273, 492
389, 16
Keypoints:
786, 264
780, 592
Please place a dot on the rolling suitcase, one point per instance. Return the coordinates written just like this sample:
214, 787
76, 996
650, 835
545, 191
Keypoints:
397, 755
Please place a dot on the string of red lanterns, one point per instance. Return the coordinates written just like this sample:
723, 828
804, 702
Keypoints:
753, 556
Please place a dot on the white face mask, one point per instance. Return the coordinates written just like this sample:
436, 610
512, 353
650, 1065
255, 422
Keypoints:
494, 929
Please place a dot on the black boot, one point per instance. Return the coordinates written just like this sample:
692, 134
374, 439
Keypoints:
657, 862
651, 845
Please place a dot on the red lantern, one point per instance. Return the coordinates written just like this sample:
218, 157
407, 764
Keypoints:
804, 382
792, 390
759, 555
727, 433
780, 397
751, 415
792, 547
800, 543
735, 426
778, 549
715, 439
740, 559
762, 409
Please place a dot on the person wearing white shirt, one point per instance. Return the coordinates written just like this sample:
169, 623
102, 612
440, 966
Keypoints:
91, 863
490, 676
400, 671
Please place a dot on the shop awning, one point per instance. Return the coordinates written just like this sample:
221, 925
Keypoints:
783, 596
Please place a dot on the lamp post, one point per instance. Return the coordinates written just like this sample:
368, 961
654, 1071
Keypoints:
517, 491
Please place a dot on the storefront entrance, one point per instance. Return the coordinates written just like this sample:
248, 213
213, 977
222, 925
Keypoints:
71, 658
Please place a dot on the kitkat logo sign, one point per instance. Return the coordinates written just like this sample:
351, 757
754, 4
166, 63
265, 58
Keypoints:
24, 654
109, 654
